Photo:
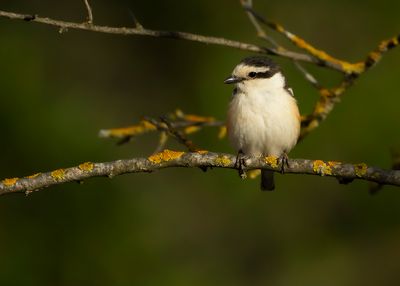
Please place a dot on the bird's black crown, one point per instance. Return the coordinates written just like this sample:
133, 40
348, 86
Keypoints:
260, 62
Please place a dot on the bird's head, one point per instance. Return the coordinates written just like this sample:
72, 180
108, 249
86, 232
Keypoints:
257, 73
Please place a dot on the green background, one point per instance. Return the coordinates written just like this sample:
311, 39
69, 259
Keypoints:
183, 226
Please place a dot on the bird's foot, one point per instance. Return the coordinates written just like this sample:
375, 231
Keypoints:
283, 161
240, 164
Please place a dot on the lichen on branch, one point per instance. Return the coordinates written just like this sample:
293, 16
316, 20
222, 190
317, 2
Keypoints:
178, 125
200, 159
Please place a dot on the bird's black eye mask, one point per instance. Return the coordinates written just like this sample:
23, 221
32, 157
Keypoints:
267, 74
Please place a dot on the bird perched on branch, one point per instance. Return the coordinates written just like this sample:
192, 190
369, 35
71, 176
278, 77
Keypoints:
263, 117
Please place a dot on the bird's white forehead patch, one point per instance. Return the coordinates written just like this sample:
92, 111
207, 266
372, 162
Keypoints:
243, 70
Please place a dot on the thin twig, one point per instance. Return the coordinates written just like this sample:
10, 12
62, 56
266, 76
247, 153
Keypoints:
308, 76
135, 21
344, 66
168, 159
248, 7
188, 123
375, 188
302, 44
326, 102
317, 57
64, 25
165, 126
89, 12
161, 142
328, 96
260, 31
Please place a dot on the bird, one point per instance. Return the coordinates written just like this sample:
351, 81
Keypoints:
263, 117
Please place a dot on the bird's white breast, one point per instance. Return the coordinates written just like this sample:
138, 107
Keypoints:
263, 121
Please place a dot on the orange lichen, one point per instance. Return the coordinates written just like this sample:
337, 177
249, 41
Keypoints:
252, 174
197, 118
320, 167
272, 161
317, 164
349, 68
333, 163
325, 92
164, 156
222, 161
375, 56
33, 176
280, 29
140, 128
191, 129
201, 152
387, 44
58, 174
10, 182
281, 49
87, 166
339, 90
222, 132
360, 169
320, 107
345, 66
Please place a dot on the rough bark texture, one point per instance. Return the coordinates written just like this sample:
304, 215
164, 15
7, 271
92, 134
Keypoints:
202, 159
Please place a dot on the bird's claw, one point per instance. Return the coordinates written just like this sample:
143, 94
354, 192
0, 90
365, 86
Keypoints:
283, 161
240, 164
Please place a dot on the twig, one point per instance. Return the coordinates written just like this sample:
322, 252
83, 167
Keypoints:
328, 96
375, 188
260, 31
135, 21
302, 44
325, 104
189, 123
204, 159
248, 7
168, 159
166, 126
308, 76
65, 25
344, 66
125, 133
89, 12
161, 142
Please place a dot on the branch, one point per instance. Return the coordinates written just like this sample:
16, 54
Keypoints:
182, 124
166, 126
140, 31
344, 66
203, 159
328, 96
178, 123
261, 33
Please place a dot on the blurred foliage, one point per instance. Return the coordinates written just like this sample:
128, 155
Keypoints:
181, 226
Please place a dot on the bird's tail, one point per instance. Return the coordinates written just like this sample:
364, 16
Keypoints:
267, 180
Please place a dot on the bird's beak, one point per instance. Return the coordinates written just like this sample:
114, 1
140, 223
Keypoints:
232, 79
